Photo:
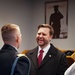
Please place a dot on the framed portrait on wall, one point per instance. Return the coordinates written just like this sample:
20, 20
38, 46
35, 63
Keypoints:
56, 15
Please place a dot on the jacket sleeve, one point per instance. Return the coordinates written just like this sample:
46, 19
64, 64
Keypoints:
22, 66
62, 65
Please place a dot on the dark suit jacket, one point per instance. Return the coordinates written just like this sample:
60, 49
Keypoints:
54, 63
7, 57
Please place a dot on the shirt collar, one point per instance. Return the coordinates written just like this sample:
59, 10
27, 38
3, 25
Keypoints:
45, 49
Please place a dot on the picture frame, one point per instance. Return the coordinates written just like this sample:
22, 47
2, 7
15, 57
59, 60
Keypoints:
56, 15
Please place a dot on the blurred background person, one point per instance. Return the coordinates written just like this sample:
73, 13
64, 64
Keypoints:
70, 70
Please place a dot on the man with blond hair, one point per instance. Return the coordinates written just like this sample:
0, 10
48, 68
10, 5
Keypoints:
12, 37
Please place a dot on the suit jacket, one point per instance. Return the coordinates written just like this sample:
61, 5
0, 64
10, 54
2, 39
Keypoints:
7, 57
54, 63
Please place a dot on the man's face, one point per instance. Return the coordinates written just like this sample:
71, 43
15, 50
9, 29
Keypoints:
43, 37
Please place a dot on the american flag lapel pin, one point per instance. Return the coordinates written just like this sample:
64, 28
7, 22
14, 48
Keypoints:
49, 55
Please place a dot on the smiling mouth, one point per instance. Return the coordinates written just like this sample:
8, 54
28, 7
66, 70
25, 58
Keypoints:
40, 41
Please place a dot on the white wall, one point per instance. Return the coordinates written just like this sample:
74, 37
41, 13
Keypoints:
18, 12
28, 14
39, 17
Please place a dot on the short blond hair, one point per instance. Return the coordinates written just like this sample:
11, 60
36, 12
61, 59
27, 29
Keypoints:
8, 30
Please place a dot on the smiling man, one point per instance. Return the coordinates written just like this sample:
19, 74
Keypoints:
52, 61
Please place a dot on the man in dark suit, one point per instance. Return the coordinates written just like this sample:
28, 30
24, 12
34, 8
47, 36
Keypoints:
53, 62
11, 36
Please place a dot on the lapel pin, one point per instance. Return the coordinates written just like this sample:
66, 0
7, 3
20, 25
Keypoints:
49, 55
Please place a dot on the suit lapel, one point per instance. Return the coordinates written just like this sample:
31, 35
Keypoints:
50, 54
46, 58
34, 57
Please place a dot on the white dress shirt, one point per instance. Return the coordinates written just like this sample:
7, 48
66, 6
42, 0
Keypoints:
44, 49
70, 70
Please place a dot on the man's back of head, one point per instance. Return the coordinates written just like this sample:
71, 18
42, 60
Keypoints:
11, 34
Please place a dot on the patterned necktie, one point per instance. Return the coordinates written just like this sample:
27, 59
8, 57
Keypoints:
40, 56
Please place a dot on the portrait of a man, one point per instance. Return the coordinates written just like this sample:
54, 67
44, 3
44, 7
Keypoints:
56, 16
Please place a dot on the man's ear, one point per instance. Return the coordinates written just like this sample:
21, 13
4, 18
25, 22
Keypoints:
51, 37
17, 38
